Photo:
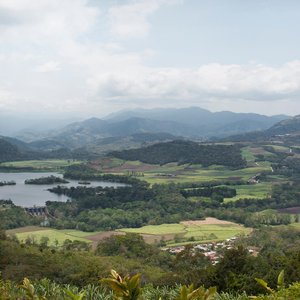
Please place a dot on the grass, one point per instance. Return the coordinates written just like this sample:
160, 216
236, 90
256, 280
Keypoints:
248, 154
279, 148
249, 191
50, 164
56, 237
295, 225
200, 174
187, 173
151, 233
157, 229
187, 233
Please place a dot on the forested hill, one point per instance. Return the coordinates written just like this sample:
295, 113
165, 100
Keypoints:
8, 151
286, 130
12, 149
185, 152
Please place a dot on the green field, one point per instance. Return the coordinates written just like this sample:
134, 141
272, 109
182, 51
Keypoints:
56, 237
172, 172
199, 174
180, 234
50, 164
249, 191
248, 154
279, 148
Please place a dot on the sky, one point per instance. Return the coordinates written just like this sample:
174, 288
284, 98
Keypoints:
94, 57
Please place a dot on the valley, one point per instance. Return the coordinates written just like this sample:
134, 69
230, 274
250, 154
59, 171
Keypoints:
169, 207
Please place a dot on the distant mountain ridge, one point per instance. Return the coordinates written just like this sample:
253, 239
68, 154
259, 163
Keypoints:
208, 123
286, 130
117, 130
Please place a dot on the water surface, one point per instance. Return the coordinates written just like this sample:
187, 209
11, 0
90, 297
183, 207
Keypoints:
31, 194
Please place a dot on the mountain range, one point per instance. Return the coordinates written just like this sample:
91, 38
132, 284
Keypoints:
286, 131
135, 128
192, 123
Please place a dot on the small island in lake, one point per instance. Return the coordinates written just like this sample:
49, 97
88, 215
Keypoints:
46, 180
2, 183
84, 182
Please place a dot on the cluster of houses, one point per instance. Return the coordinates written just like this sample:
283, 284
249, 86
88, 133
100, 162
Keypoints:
212, 250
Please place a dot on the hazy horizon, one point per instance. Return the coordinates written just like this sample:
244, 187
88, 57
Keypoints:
12, 123
88, 58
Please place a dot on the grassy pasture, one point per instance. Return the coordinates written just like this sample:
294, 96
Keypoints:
184, 233
200, 174
56, 237
50, 164
249, 191
172, 172
250, 152
295, 225
199, 231
279, 148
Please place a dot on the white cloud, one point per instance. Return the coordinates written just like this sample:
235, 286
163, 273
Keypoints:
38, 37
248, 82
132, 19
50, 66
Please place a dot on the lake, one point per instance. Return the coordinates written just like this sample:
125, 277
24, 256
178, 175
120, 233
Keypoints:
27, 195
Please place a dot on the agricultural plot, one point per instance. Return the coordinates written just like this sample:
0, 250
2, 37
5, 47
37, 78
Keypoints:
56, 237
250, 153
199, 174
186, 232
47, 165
172, 172
251, 191
279, 148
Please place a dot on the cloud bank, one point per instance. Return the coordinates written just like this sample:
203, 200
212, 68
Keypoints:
72, 55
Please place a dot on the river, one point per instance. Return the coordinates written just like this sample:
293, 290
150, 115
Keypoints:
27, 195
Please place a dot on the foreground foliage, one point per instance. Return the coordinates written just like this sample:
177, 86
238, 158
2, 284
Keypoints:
129, 288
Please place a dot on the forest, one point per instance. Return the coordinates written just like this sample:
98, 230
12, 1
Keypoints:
163, 273
75, 266
185, 152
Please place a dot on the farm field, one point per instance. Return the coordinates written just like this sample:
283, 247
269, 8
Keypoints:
40, 165
249, 191
279, 148
186, 232
200, 174
56, 237
250, 152
172, 172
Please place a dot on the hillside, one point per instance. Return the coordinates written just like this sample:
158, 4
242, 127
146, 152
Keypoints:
192, 123
286, 131
185, 152
194, 116
202, 121
12, 149
8, 151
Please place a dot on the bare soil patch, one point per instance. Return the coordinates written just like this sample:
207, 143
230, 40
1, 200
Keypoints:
155, 238
102, 235
131, 168
290, 210
96, 238
207, 221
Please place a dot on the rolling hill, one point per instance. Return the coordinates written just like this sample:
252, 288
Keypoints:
286, 131
185, 152
193, 123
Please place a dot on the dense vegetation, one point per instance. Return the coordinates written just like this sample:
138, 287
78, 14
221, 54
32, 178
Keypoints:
273, 245
46, 180
235, 271
15, 150
185, 152
2, 183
